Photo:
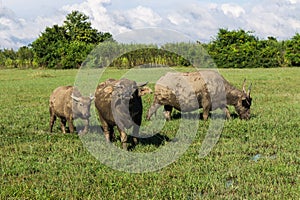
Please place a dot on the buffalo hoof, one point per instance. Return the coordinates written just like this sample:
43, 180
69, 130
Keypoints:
135, 141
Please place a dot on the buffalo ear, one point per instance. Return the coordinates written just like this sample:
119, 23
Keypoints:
75, 98
144, 90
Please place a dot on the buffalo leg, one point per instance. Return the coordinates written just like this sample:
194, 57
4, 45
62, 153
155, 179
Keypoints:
52, 120
86, 126
123, 138
153, 109
206, 108
106, 131
225, 109
136, 129
111, 133
71, 126
135, 133
167, 112
63, 124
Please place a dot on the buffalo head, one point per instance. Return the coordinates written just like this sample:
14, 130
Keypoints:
81, 106
244, 103
126, 101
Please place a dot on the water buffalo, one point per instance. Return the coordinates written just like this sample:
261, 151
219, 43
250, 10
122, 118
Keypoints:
205, 89
119, 103
67, 103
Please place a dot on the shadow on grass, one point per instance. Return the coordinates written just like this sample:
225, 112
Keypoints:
156, 139
186, 115
179, 115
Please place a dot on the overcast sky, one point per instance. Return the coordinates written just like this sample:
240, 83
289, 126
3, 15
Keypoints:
21, 21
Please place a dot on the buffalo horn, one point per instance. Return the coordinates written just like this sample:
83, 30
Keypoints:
244, 86
142, 84
75, 98
249, 89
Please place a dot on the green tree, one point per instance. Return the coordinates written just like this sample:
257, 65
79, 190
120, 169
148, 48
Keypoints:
293, 50
25, 57
235, 37
79, 28
233, 49
240, 49
9, 58
48, 47
271, 53
68, 45
77, 52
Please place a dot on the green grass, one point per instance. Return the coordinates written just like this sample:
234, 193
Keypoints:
255, 159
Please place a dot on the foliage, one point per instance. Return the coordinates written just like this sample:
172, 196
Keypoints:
240, 49
119, 55
7, 58
75, 42
23, 58
255, 159
49, 46
293, 50
149, 56
67, 46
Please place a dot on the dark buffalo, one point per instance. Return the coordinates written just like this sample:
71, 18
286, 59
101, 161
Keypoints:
119, 104
203, 89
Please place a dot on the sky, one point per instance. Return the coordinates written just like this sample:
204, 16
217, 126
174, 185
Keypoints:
21, 22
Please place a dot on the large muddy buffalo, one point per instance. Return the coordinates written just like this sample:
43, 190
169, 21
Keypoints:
119, 103
205, 89
67, 103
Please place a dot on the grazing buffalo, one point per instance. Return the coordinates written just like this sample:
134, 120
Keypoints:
207, 89
67, 103
119, 104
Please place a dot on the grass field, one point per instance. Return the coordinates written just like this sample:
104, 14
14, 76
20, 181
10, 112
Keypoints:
255, 159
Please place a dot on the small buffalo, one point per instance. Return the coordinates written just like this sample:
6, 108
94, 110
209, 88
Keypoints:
67, 103
119, 103
205, 89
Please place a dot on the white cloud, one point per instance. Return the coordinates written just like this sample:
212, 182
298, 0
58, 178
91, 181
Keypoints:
143, 16
232, 10
116, 21
177, 19
294, 23
274, 18
16, 32
100, 18
294, 1
8, 25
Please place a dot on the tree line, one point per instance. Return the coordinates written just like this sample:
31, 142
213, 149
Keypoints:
76, 43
